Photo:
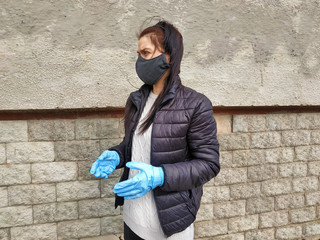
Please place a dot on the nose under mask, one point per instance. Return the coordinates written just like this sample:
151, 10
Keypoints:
151, 70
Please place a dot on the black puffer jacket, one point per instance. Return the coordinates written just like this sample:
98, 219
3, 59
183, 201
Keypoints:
184, 144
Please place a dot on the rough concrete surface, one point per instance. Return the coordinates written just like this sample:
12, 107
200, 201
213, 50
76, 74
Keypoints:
81, 54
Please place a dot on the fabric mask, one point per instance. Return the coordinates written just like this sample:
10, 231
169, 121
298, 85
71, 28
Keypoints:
151, 70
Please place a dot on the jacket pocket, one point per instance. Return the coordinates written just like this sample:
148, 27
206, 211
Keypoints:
188, 199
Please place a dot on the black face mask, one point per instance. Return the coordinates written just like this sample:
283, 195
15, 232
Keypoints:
151, 70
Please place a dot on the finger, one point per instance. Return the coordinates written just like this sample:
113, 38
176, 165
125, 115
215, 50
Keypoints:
108, 170
129, 193
135, 196
127, 185
124, 190
105, 172
98, 172
136, 165
104, 175
131, 183
93, 167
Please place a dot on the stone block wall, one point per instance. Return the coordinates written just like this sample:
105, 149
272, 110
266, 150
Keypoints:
268, 187
46, 191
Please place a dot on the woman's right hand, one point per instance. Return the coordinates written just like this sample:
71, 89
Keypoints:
105, 164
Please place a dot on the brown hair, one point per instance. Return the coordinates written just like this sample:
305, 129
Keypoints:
156, 35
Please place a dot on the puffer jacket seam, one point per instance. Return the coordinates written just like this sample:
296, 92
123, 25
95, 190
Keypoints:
178, 220
174, 110
170, 123
170, 151
170, 137
163, 210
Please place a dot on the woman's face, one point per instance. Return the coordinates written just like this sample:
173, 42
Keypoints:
148, 50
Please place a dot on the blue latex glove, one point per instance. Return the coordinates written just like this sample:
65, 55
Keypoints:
105, 164
149, 178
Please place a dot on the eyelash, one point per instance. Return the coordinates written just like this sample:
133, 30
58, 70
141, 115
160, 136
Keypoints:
144, 53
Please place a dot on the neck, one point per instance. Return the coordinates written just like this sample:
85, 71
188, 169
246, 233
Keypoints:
158, 86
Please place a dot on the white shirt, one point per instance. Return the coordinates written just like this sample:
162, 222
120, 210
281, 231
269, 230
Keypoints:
141, 214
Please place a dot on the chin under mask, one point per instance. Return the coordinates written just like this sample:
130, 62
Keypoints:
151, 70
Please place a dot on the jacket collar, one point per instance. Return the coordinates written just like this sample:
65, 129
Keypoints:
138, 96
172, 92
141, 95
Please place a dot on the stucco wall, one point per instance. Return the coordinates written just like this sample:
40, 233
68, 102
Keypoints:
81, 54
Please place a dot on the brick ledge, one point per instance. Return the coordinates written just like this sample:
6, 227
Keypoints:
119, 112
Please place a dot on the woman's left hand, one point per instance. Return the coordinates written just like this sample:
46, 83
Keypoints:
149, 178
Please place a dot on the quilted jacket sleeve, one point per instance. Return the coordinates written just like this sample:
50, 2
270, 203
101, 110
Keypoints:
120, 150
204, 151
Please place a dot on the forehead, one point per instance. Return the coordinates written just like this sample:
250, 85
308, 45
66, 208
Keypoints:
145, 42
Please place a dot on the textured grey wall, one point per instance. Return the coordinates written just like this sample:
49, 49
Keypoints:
76, 54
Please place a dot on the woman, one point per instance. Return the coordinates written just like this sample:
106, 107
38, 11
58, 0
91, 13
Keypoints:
170, 147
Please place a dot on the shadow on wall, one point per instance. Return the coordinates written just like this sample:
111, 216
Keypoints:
272, 28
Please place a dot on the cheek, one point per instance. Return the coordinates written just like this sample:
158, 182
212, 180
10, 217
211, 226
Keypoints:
156, 54
146, 56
